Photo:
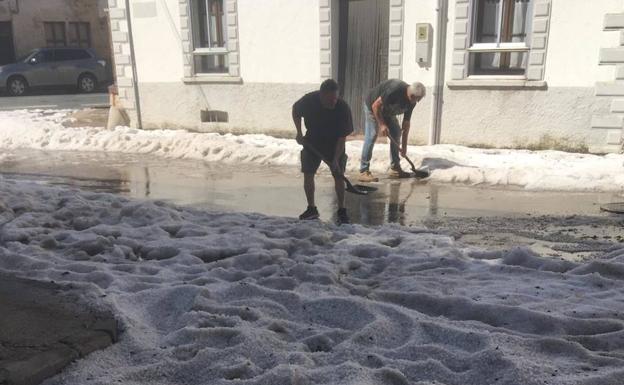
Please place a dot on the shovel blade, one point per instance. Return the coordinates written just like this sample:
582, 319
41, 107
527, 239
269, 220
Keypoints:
421, 173
362, 187
353, 190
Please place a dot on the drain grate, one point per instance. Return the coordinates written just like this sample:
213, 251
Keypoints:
615, 207
214, 116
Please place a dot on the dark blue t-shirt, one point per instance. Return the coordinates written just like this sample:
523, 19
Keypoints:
324, 126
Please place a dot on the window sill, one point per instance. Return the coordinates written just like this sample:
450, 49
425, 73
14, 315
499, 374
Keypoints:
491, 49
494, 84
212, 79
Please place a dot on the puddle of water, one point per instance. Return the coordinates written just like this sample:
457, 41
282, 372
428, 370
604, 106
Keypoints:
473, 214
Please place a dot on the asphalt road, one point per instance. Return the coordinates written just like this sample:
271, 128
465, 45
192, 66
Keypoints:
63, 101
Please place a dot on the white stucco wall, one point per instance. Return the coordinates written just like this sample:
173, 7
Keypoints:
279, 41
157, 46
501, 117
576, 36
280, 56
417, 11
272, 49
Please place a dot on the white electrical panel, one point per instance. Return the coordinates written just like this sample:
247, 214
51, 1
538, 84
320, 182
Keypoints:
424, 44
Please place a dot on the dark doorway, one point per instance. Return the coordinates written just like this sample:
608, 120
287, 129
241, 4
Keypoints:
363, 52
7, 50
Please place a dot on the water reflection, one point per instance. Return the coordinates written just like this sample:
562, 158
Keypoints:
279, 191
398, 202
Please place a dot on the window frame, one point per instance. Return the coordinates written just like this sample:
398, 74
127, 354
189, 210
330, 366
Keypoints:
70, 51
207, 51
498, 47
46, 51
79, 40
55, 40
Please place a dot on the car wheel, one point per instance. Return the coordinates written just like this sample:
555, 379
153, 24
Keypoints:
17, 86
87, 83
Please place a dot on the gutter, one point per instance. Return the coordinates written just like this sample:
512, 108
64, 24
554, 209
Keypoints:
135, 79
437, 107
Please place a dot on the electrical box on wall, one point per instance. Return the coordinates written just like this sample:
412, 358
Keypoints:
424, 44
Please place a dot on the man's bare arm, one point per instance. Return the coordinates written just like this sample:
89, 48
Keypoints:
377, 107
297, 120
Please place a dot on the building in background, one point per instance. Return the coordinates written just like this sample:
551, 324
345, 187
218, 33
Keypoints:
29, 24
506, 73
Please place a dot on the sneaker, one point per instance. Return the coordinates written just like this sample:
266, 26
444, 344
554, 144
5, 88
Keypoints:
367, 177
343, 218
310, 213
398, 173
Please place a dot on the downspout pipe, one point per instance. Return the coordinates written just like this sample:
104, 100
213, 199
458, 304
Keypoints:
135, 79
435, 130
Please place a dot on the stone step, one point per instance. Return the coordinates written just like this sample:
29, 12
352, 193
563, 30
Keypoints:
614, 21
605, 141
607, 122
605, 149
612, 55
617, 106
619, 72
609, 88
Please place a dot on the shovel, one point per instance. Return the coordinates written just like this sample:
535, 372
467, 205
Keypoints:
354, 189
418, 173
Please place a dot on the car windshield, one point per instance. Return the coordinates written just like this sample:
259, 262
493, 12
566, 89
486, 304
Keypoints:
23, 58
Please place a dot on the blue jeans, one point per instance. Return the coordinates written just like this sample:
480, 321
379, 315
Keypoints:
370, 136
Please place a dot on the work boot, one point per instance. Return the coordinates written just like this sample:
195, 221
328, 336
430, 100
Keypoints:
342, 217
310, 213
397, 172
367, 177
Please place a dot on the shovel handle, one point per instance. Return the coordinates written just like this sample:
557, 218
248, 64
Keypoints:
350, 186
404, 156
318, 153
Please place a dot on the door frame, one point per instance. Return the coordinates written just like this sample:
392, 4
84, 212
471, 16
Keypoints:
329, 28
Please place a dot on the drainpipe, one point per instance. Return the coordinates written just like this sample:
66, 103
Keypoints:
135, 80
440, 68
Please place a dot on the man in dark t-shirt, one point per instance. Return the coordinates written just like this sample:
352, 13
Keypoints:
328, 122
388, 99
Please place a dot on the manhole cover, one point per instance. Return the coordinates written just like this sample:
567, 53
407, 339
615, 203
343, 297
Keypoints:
616, 207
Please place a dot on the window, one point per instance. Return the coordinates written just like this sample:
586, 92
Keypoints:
71, 54
499, 38
210, 54
55, 34
79, 35
44, 56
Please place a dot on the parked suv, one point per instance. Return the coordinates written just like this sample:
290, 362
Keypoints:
47, 67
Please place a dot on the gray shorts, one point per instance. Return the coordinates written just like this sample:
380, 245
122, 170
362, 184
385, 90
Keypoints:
310, 162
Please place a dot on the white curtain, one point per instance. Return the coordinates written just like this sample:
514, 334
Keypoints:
521, 20
520, 30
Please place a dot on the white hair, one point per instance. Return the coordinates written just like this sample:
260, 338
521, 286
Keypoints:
418, 89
